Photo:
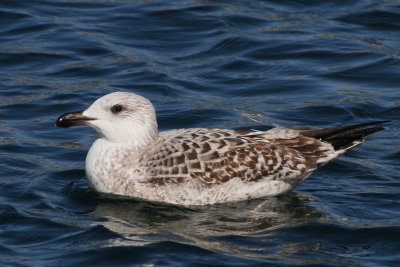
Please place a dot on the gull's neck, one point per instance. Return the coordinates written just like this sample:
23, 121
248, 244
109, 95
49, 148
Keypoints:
108, 162
136, 137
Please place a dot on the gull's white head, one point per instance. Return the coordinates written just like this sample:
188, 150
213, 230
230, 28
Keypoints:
118, 117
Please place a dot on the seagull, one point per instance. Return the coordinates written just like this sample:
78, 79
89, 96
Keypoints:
200, 166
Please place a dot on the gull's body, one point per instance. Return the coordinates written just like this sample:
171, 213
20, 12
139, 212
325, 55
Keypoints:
201, 165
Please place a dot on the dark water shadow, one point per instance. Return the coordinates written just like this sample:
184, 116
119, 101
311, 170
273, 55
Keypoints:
244, 229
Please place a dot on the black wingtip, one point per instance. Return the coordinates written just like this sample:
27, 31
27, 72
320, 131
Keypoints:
343, 137
340, 130
347, 140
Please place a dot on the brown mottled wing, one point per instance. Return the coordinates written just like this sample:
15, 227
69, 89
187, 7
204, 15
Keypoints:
169, 165
313, 150
215, 157
182, 158
256, 161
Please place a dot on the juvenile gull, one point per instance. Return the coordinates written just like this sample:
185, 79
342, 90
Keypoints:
201, 165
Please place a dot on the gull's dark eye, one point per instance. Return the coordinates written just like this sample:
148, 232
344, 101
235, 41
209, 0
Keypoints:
116, 109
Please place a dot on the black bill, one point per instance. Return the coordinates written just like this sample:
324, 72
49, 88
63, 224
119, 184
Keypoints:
72, 119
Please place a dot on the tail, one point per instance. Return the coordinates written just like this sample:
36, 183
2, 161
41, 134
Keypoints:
344, 137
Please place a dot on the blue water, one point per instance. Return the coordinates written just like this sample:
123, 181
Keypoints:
226, 64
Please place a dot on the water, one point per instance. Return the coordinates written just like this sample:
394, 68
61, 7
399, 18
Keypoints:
204, 64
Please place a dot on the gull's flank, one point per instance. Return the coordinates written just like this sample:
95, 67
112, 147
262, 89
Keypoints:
200, 166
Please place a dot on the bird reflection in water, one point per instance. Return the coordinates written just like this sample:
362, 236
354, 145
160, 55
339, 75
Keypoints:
247, 229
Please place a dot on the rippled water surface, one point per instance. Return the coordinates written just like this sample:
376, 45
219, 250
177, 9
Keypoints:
203, 64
